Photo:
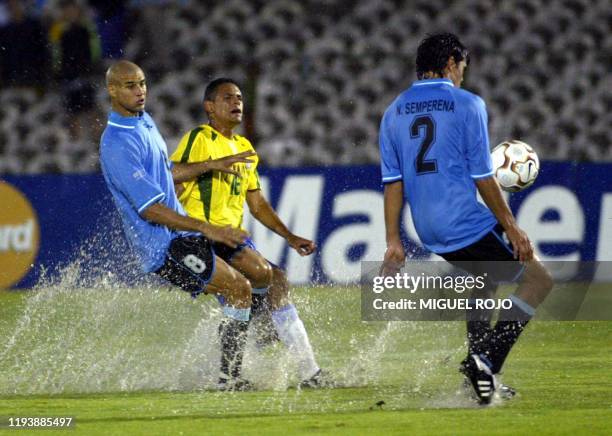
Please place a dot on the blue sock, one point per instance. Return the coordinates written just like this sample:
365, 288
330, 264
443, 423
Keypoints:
237, 314
259, 291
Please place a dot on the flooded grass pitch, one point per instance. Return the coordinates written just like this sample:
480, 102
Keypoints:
89, 340
142, 360
70, 337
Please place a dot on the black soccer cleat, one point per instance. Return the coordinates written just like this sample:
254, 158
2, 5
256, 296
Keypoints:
320, 380
234, 385
503, 391
481, 377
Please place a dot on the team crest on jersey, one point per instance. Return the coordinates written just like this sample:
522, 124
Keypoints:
140, 174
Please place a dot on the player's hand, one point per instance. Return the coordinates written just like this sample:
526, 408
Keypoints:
224, 164
303, 246
523, 249
230, 236
394, 259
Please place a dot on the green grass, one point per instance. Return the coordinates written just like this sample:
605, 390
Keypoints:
109, 358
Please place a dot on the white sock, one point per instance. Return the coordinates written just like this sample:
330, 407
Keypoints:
292, 333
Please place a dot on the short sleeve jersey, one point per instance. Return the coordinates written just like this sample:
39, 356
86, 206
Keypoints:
434, 138
215, 196
136, 168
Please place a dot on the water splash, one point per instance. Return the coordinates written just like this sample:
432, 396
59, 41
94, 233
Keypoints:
85, 329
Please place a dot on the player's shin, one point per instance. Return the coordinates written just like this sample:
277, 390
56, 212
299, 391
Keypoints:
259, 302
509, 327
233, 334
478, 321
292, 333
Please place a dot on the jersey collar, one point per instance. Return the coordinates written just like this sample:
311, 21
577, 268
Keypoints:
214, 131
437, 81
117, 120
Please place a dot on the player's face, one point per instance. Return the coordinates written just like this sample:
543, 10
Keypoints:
129, 92
456, 71
226, 108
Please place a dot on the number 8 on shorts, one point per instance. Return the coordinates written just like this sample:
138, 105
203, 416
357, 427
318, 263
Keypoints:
194, 263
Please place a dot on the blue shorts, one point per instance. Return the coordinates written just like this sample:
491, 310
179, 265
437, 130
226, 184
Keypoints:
189, 264
226, 252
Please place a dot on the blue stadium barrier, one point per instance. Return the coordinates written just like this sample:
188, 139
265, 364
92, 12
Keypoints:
567, 213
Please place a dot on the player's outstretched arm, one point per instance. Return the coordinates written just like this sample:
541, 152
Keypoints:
491, 194
263, 212
159, 214
394, 255
184, 172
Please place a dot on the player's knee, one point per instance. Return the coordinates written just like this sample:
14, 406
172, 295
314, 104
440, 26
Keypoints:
263, 275
269, 273
241, 289
246, 289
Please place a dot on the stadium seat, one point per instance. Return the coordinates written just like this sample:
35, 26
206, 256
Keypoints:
323, 72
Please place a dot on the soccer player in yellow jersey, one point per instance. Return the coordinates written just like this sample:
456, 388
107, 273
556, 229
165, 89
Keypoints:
219, 198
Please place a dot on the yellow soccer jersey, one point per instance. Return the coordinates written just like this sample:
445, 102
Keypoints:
215, 196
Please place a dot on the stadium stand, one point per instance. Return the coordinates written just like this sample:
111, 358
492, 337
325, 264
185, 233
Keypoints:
328, 69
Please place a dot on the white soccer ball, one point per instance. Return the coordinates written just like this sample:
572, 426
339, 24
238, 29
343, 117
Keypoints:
516, 165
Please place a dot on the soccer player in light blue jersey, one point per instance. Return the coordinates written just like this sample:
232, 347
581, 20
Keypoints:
141, 178
435, 155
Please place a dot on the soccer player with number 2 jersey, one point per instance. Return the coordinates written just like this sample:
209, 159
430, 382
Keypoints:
435, 156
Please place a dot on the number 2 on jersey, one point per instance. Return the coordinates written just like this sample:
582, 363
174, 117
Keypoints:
429, 128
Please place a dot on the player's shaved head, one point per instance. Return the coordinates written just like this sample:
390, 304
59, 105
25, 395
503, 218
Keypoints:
127, 88
121, 69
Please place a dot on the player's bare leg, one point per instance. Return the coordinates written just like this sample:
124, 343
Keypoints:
285, 318
231, 284
262, 275
236, 290
253, 266
536, 283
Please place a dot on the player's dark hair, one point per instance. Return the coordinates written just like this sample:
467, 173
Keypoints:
433, 53
211, 89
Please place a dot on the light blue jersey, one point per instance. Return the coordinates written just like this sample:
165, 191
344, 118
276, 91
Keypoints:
135, 164
434, 138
